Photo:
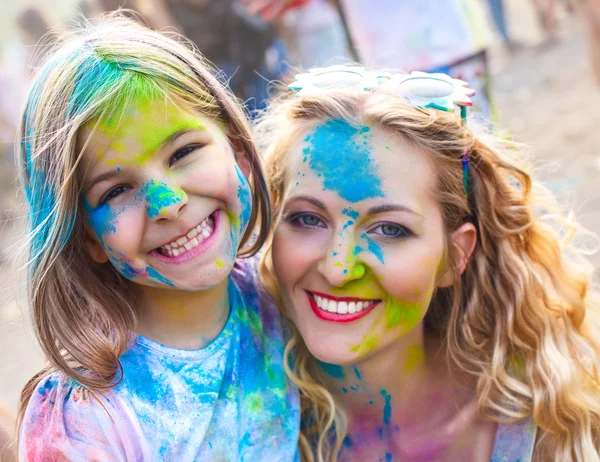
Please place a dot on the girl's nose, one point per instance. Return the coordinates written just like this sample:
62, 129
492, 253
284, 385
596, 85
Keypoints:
163, 201
342, 263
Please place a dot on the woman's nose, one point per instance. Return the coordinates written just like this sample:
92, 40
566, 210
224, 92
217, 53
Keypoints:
342, 262
164, 201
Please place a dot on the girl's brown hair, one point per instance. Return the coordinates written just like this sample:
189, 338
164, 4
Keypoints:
84, 313
520, 318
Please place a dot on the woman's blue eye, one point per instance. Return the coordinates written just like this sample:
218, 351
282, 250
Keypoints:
181, 153
114, 192
307, 220
392, 230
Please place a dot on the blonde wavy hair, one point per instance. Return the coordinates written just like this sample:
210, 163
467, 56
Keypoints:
520, 318
84, 313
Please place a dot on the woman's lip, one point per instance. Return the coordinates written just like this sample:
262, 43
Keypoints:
196, 251
336, 317
343, 299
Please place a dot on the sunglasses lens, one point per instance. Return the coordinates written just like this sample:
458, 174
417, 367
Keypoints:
426, 87
338, 79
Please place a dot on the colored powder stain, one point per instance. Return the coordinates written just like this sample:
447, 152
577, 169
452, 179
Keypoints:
347, 224
159, 196
339, 264
118, 169
219, 263
396, 312
388, 457
387, 147
347, 442
387, 408
126, 270
101, 219
415, 358
357, 249
334, 254
333, 370
245, 199
380, 434
373, 247
345, 271
344, 389
354, 387
336, 152
357, 372
297, 183
349, 212
159, 277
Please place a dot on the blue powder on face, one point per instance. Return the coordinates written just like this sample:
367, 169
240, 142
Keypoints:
159, 277
388, 457
341, 154
159, 196
357, 372
373, 247
349, 212
347, 224
101, 219
245, 199
333, 370
387, 409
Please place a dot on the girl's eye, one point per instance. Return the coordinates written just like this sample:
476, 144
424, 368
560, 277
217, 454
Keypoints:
181, 153
114, 192
306, 220
392, 230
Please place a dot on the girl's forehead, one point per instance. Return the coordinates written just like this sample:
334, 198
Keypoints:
360, 162
136, 131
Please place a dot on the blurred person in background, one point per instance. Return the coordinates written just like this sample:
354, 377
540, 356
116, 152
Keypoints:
241, 42
589, 14
448, 36
498, 14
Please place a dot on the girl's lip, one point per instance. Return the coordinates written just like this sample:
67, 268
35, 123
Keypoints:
196, 251
336, 317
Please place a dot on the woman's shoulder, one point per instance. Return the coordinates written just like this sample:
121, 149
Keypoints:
66, 421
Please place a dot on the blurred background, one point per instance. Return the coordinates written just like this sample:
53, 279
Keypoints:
535, 64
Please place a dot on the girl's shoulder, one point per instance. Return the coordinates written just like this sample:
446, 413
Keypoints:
66, 421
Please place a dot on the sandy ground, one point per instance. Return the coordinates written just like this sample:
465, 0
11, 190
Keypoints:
547, 99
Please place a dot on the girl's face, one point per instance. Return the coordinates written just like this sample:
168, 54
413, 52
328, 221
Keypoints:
165, 199
359, 247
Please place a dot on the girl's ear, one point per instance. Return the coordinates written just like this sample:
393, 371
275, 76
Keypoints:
462, 243
94, 248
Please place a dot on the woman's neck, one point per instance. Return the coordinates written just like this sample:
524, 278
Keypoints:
402, 399
184, 319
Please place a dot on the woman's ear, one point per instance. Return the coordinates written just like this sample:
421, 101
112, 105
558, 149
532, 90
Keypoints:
94, 248
462, 243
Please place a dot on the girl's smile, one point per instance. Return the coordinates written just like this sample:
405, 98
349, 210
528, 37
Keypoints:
165, 199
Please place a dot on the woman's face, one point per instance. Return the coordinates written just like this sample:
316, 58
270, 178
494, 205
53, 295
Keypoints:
359, 248
165, 199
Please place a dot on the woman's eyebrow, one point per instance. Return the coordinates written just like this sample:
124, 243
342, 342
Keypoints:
316, 202
391, 208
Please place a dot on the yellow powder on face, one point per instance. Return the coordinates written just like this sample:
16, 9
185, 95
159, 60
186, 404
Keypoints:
219, 263
415, 358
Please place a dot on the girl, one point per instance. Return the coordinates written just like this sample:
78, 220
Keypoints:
140, 176
437, 314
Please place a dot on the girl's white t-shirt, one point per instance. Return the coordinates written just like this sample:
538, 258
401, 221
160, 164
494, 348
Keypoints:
229, 401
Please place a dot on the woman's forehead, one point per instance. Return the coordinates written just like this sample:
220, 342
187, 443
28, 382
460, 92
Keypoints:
360, 163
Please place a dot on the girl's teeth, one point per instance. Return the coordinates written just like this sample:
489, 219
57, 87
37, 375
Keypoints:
191, 240
341, 307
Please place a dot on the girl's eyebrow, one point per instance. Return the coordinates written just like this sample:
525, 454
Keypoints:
102, 177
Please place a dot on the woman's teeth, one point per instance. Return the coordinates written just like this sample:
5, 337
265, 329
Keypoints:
194, 238
342, 307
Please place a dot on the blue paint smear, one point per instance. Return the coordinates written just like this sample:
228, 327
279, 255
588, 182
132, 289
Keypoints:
373, 247
337, 152
101, 219
159, 277
333, 370
387, 409
349, 212
357, 372
245, 199
159, 196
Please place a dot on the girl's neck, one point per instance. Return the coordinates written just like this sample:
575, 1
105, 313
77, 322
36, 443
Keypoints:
184, 319
406, 388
